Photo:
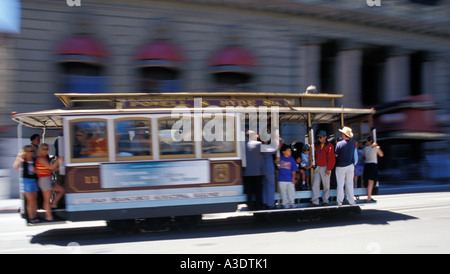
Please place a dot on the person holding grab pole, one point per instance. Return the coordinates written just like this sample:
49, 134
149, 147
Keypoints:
371, 152
325, 160
346, 159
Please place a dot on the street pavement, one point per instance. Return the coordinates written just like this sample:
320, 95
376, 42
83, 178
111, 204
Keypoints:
390, 187
408, 218
409, 223
10, 206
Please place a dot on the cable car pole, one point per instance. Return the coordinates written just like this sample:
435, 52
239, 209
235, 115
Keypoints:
311, 138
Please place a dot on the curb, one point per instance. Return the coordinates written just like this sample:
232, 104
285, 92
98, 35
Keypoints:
10, 206
9, 210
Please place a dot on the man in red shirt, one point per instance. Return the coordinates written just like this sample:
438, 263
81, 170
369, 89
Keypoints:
325, 160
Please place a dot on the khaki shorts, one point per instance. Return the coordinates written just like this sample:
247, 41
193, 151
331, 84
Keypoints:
45, 183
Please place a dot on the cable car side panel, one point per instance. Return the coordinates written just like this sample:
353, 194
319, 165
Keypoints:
153, 189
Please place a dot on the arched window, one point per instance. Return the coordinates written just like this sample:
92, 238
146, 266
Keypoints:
159, 67
232, 68
81, 61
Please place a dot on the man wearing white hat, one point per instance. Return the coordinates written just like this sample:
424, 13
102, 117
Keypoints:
346, 158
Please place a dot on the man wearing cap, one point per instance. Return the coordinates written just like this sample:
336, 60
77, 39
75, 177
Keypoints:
325, 160
346, 159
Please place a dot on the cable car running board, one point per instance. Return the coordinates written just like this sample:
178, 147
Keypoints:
302, 207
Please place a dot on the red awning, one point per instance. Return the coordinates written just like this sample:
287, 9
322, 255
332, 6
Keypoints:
159, 53
232, 56
81, 48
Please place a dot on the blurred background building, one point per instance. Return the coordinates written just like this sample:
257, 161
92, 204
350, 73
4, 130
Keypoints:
394, 56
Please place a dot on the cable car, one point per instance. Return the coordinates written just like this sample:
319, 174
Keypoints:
157, 158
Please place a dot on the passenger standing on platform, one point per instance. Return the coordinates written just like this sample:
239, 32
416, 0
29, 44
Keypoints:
297, 155
28, 186
35, 142
253, 172
371, 152
268, 191
346, 159
305, 165
44, 171
325, 160
359, 168
286, 177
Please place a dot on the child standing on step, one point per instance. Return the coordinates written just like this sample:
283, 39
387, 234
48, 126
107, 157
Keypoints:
286, 177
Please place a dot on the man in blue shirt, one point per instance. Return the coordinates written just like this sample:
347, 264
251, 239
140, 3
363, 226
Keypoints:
346, 158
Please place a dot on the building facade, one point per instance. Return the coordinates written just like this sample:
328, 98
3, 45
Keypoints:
374, 52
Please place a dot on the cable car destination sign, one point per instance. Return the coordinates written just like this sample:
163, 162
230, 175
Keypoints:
191, 103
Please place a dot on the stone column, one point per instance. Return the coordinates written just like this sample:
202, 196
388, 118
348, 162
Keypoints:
8, 186
435, 77
397, 75
4, 79
435, 81
348, 75
309, 65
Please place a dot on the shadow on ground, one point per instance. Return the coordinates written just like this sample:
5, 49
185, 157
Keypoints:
218, 228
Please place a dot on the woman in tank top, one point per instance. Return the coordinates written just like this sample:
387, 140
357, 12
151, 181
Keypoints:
44, 172
371, 152
28, 185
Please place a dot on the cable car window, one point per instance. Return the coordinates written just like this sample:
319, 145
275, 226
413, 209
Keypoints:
176, 138
89, 140
219, 137
133, 139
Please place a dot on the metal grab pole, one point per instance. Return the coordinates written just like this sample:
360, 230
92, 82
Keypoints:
43, 134
312, 147
311, 132
19, 136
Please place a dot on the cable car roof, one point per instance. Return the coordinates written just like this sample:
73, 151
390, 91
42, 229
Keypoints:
292, 107
52, 119
115, 100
